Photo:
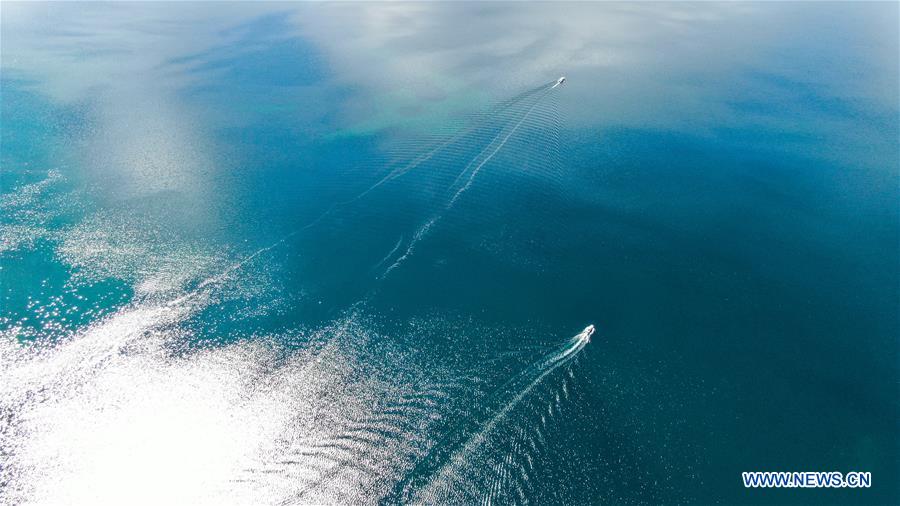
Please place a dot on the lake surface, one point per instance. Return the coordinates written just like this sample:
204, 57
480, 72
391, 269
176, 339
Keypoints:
345, 253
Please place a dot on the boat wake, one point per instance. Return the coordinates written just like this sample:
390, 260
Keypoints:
130, 408
449, 473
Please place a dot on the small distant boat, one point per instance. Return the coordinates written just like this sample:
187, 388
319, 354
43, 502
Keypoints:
587, 333
559, 83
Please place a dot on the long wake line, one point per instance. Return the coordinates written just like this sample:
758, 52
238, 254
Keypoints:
416, 162
201, 288
447, 455
425, 228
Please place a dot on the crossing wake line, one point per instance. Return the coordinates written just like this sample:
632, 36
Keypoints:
448, 170
494, 147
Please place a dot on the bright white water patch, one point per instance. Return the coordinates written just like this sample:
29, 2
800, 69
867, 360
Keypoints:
25, 211
114, 245
130, 409
122, 412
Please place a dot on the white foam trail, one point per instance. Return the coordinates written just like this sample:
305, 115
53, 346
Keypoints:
440, 479
204, 287
427, 156
422, 232
396, 173
412, 244
497, 149
391, 253
392, 175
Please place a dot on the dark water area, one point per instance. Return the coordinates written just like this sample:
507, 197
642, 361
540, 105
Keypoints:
343, 254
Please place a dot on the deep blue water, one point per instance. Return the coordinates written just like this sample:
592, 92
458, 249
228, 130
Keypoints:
323, 253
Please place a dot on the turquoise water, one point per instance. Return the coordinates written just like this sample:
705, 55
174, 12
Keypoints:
343, 254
